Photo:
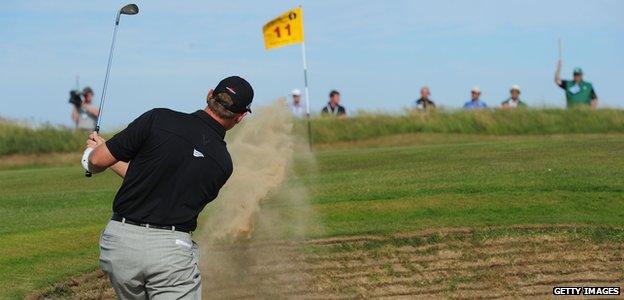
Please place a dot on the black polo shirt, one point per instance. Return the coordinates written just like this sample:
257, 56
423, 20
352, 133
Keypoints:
178, 163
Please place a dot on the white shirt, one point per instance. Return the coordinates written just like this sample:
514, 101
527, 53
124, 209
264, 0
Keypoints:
297, 110
513, 103
86, 121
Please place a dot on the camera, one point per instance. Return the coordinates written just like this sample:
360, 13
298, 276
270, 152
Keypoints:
75, 98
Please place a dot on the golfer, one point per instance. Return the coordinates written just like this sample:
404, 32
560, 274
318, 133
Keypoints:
173, 164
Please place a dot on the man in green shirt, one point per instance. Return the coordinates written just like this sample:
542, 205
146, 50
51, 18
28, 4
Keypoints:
514, 101
578, 92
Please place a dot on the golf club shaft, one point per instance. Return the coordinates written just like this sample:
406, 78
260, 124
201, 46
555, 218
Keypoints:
108, 67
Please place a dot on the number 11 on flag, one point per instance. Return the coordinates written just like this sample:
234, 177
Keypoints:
287, 29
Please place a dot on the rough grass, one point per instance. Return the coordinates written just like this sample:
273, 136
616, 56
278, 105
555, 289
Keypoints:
490, 122
18, 138
52, 216
22, 161
23, 139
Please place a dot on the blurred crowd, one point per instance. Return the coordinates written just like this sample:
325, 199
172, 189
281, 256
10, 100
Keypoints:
578, 92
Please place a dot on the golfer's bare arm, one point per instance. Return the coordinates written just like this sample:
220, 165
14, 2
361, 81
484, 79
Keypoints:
101, 158
558, 74
120, 168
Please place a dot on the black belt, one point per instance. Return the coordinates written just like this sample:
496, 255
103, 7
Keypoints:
119, 218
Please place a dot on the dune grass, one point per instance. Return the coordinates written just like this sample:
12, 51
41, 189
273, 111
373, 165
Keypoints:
17, 138
22, 139
52, 216
487, 122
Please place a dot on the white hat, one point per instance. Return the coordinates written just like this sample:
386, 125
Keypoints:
296, 92
476, 89
515, 87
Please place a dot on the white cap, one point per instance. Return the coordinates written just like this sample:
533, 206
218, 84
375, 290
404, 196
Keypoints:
296, 92
476, 89
515, 87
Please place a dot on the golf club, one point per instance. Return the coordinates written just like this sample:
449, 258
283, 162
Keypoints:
130, 9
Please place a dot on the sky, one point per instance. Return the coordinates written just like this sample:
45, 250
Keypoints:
376, 53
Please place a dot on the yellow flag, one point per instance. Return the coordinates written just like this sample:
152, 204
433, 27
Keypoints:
284, 30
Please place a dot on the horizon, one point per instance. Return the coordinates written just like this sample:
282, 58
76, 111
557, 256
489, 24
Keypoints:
377, 55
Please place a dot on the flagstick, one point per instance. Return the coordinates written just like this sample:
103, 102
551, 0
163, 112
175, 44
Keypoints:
307, 93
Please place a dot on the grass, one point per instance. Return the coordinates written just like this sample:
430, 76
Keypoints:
51, 219
52, 215
533, 181
490, 122
18, 138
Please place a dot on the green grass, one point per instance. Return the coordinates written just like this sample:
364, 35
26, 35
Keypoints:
52, 216
50, 225
18, 138
491, 122
534, 181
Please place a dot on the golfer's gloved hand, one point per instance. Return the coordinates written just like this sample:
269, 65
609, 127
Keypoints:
94, 140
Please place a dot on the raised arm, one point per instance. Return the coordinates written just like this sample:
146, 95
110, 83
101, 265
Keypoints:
558, 74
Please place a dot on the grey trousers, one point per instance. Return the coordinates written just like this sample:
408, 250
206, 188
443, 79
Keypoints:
148, 263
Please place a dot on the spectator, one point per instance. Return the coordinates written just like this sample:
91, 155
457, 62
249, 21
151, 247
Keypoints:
86, 116
333, 107
424, 103
578, 92
475, 102
514, 101
296, 107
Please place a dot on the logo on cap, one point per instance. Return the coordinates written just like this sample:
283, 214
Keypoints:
231, 90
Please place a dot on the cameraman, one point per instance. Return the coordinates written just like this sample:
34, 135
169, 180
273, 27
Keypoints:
85, 116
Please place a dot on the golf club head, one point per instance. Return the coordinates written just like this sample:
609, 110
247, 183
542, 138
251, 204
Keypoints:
130, 9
